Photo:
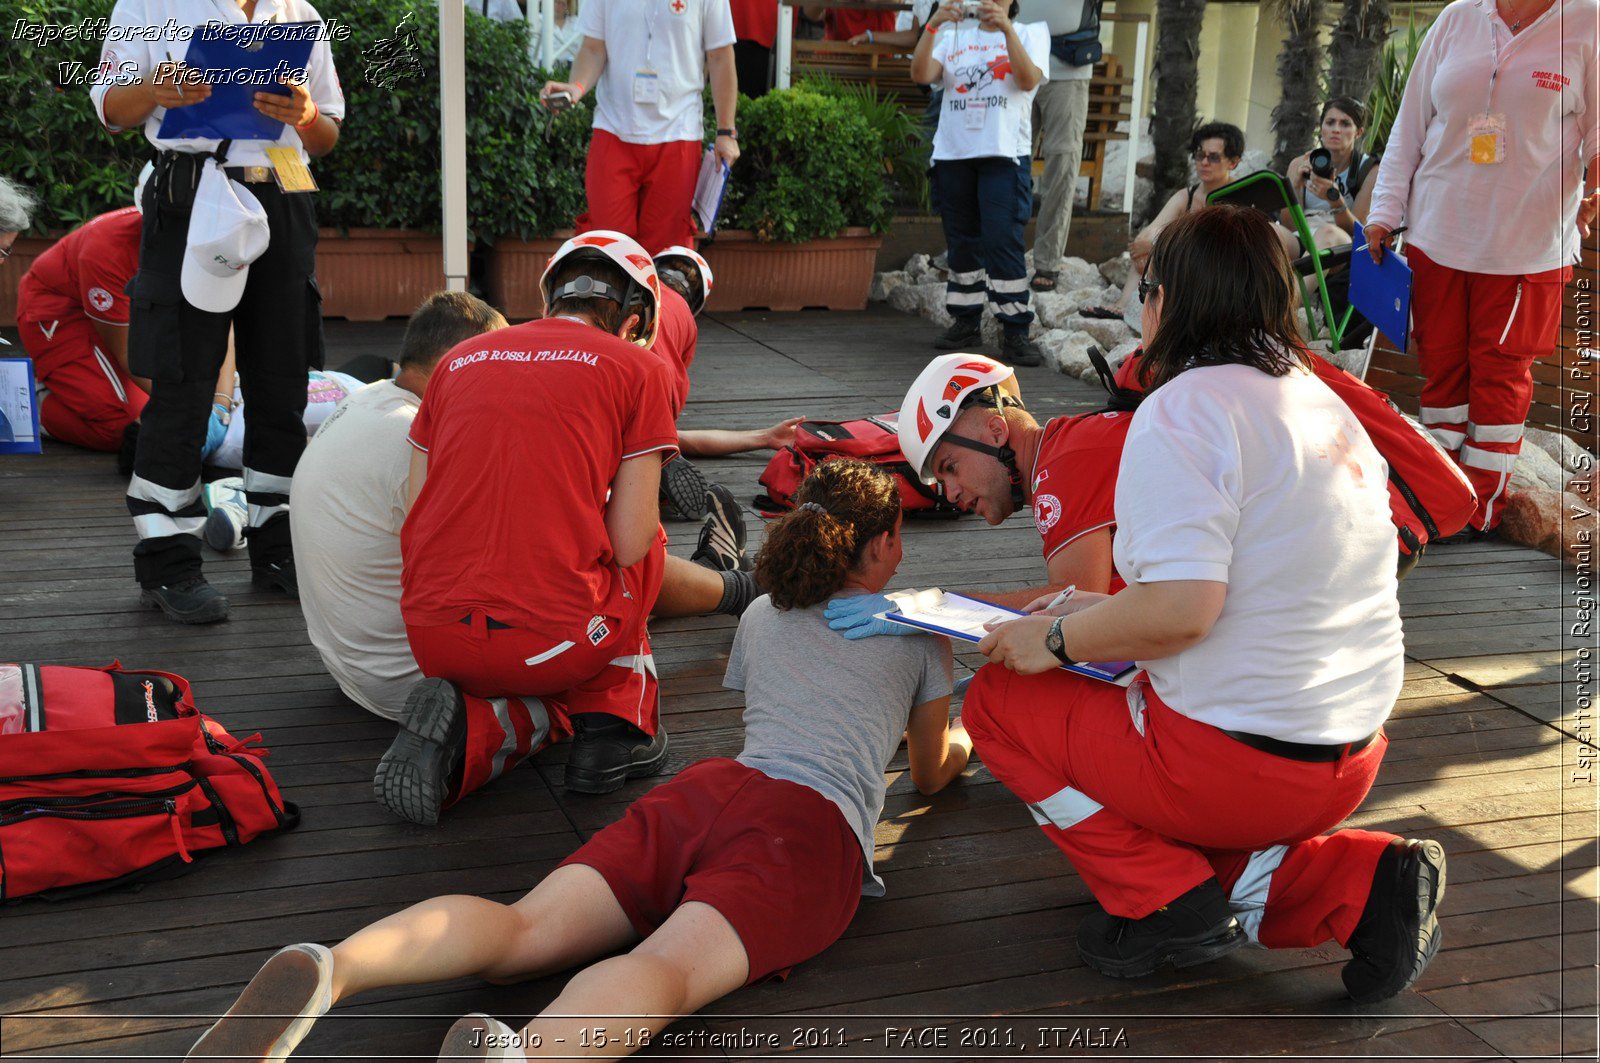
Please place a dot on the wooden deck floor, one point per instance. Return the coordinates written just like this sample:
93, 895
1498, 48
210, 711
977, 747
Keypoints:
971, 952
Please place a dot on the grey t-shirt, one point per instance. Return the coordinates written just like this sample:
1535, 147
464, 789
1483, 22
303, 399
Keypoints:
829, 713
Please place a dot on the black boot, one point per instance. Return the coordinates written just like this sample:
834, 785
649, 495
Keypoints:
963, 333
413, 777
608, 751
1399, 929
190, 601
1192, 929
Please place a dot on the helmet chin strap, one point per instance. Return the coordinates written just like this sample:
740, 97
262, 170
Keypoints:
1006, 457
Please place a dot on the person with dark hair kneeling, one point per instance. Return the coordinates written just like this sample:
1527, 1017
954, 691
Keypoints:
1193, 803
527, 609
728, 875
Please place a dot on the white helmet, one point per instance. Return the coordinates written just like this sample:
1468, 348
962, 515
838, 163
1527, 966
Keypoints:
696, 299
935, 401
643, 292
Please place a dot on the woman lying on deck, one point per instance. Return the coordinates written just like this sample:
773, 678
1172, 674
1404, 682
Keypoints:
728, 875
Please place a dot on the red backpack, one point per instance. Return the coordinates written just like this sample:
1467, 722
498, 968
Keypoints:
108, 777
874, 439
1429, 496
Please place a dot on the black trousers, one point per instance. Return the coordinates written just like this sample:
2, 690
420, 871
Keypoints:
277, 339
752, 64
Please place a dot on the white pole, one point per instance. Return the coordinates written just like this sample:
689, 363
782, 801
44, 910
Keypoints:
1136, 122
531, 17
547, 33
453, 146
784, 45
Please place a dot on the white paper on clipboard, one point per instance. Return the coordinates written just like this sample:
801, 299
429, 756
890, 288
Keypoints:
708, 190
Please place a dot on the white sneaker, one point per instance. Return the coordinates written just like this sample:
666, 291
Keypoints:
478, 1036
227, 514
277, 1009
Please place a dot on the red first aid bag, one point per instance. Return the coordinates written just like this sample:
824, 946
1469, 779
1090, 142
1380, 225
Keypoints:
108, 777
874, 439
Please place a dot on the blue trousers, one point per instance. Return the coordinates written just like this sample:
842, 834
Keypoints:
984, 205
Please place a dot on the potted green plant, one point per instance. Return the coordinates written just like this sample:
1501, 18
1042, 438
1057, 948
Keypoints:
806, 205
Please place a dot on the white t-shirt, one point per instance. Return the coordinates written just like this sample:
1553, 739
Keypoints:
140, 38
1270, 485
1518, 215
983, 113
650, 89
1059, 16
350, 499
324, 391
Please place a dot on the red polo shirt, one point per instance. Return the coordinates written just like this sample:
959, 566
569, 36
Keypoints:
84, 273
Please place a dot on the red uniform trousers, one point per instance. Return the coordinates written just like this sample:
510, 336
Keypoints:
643, 190
522, 687
92, 398
1477, 335
1148, 804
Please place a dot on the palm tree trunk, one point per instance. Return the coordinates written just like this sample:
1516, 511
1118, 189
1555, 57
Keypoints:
1294, 120
1357, 47
1177, 72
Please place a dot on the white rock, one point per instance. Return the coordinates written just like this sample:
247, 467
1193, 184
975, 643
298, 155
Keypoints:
1067, 351
1119, 354
1107, 333
1089, 295
918, 267
931, 297
1535, 468
1116, 270
1572, 457
884, 283
1053, 308
906, 299
1076, 273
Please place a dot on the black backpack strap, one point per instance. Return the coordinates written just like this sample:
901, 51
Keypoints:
1121, 398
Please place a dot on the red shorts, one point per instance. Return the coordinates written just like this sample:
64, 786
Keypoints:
776, 859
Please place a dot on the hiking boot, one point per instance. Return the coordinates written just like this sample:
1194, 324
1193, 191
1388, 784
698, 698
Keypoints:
963, 332
227, 514
722, 536
278, 575
190, 601
1469, 534
1017, 349
413, 777
1399, 930
608, 751
479, 1036
130, 445
683, 489
1192, 929
277, 1009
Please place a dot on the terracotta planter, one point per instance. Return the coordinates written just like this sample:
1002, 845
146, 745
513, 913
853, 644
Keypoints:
514, 269
23, 252
832, 274
371, 274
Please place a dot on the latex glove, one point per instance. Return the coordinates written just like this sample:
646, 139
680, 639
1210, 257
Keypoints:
216, 429
856, 617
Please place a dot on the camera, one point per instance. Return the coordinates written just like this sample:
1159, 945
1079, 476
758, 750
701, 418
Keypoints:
1322, 163
969, 8
558, 101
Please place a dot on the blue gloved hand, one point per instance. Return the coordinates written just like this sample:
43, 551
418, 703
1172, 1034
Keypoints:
216, 430
857, 617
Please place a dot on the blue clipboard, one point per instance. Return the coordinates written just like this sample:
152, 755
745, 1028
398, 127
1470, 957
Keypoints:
239, 60
1381, 291
709, 189
19, 407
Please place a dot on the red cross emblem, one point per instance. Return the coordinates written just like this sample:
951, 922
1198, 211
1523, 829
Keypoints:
678, 7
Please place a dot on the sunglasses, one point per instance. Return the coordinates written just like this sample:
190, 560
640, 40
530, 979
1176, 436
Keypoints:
1208, 156
1146, 286
5, 253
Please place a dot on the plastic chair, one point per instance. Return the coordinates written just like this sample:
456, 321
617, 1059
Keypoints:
1269, 193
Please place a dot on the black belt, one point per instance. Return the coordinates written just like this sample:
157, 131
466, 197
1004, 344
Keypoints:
1302, 750
253, 175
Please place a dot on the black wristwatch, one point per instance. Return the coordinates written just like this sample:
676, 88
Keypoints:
1054, 643
732, 134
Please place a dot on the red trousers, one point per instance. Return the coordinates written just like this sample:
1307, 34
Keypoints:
1148, 804
522, 686
643, 190
1477, 335
91, 397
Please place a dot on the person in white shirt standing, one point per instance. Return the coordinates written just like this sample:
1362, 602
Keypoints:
982, 164
1485, 167
648, 61
1062, 105
1253, 529
247, 261
352, 494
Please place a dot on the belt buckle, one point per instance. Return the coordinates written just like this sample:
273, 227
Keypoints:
255, 175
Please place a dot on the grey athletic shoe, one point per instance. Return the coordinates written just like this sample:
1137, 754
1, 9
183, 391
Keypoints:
722, 537
277, 1009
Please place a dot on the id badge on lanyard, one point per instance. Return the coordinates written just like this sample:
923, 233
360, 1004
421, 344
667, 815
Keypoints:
646, 86
1486, 138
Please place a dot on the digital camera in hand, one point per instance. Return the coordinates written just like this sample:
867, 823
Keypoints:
1322, 163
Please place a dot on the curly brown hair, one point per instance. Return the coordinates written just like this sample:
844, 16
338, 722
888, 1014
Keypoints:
840, 507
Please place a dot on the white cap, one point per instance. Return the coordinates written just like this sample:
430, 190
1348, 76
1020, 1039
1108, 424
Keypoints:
227, 231
138, 188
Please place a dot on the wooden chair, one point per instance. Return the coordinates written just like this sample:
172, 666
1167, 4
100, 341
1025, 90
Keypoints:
1110, 105
877, 65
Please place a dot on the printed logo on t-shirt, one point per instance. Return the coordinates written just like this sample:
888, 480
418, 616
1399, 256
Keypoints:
100, 299
677, 7
980, 75
1046, 511
1549, 79
598, 630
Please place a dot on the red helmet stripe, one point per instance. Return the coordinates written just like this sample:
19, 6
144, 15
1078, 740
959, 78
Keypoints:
924, 424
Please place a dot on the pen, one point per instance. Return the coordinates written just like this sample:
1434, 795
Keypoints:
1391, 236
177, 81
1060, 598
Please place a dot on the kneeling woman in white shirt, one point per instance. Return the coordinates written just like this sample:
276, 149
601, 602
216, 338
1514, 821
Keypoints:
1253, 529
